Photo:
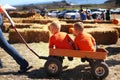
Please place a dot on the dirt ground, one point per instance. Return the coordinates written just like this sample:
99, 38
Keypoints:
75, 70
72, 70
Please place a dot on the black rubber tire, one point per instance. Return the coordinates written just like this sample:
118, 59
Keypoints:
100, 70
53, 67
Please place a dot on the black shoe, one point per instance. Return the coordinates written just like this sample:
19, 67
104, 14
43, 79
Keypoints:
70, 58
83, 59
24, 70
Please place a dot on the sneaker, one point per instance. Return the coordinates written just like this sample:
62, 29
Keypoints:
83, 59
70, 58
24, 70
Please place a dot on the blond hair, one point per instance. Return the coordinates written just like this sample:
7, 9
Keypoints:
79, 26
55, 25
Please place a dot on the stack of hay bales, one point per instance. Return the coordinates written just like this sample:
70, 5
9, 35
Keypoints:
104, 35
85, 21
21, 25
21, 14
30, 20
66, 27
37, 26
111, 26
69, 27
16, 20
30, 35
71, 20
36, 16
40, 21
14, 37
7, 26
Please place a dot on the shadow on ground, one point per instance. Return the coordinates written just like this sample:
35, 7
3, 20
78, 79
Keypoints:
112, 62
113, 50
81, 72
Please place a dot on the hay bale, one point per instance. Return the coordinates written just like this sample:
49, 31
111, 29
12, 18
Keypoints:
16, 20
5, 27
68, 28
70, 20
36, 16
118, 29
65, 27
37, 35
44, 21
112, 26
15, 38
90, 25
21, 14
85, 21
30, 35
97, 21
34, 26
21, 25
104, 35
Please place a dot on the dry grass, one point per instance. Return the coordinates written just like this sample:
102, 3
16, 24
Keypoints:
76, 70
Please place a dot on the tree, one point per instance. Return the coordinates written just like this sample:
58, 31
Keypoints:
64, 1
116, 2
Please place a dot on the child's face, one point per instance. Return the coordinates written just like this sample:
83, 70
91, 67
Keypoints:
75, 31
53, 30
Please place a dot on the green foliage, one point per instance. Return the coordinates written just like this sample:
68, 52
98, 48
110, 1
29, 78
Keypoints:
114, 2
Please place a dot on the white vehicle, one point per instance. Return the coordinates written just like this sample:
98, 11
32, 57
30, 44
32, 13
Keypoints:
103, 10
72, 15
96, 12
53, 13
117, 11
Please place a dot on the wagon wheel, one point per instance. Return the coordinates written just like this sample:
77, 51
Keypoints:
53, 67
100, 70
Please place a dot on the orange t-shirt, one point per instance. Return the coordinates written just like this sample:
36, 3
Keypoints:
85, 42
60, 40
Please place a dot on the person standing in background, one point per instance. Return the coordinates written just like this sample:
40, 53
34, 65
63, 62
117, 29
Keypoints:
108, 15
82, 14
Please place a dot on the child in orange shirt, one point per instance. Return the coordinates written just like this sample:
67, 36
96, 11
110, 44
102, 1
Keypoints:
59, 39
83, 41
